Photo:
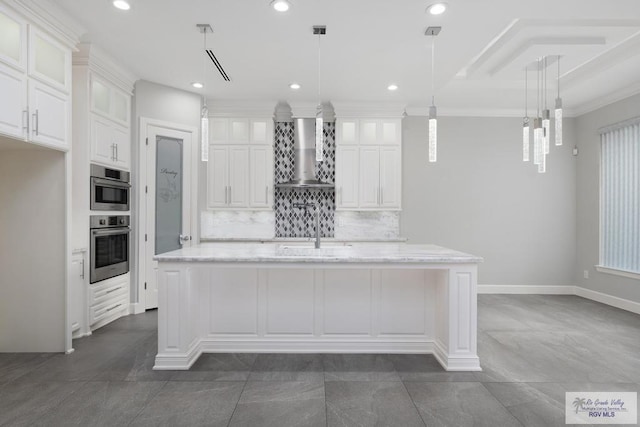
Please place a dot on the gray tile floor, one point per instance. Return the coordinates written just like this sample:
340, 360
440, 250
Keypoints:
532, 349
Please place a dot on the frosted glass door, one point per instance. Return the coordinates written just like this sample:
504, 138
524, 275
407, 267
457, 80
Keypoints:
169, 176
13, 45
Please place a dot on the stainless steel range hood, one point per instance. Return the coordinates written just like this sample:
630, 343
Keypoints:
304, 157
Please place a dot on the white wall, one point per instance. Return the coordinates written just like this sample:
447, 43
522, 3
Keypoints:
155, 101
481, 198
588, 210
32, 250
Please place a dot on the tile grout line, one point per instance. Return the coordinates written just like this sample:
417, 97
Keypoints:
413, 402
502, 404
147, 404
242, 391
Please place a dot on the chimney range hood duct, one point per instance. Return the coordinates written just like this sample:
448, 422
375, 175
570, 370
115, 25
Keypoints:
304, 157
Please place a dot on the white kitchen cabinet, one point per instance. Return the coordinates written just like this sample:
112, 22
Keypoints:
347, 131
369, 177
347, 176
13, 108
50, 115
13, 39
110, 102
35, 81
110, 143
77, 294
241, 131
240, 166
49, 61
390, 177
368, 164
228, 177
261, 174
108, 300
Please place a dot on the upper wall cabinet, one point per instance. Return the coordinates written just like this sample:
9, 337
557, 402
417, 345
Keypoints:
368, 164
13, 40
49, 61
241, 131
240, 167
35, 82
109, 101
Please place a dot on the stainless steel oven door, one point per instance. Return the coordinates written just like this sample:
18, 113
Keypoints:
109, 195
109, 253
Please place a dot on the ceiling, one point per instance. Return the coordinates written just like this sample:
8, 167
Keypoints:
480, 54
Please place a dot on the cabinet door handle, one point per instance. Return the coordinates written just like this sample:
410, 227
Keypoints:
113, 290
82, 269
226, 194
25, 120
229, 194
35, 122
116, 146
381, 195
340, 191
266, 194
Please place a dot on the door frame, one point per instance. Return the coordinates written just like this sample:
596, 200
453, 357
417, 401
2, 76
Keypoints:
139, 218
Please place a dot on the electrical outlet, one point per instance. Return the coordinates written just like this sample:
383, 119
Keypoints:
586, 274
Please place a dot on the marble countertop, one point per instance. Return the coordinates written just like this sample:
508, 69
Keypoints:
304, 252
300, 239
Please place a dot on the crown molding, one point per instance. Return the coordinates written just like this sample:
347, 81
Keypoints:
104, 65
225, 108
51, 19
310, 110
608, 99
377, 110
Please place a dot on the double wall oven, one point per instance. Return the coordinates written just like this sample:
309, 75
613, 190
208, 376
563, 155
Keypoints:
109, 231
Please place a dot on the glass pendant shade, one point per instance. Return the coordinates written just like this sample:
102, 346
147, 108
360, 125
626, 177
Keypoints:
558, 117
525, 139
319, 133
546, 126
204, 133
433, 134
537, 140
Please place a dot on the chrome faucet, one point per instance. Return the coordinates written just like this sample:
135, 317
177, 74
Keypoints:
306, 206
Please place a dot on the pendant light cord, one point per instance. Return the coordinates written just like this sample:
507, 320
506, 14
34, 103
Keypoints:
204, 65
558, 76
319, 100
526, 91
433, 67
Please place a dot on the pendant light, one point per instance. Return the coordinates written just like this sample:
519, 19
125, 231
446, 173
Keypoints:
546, 118
525, 121
558, 112
538, 131
320, 30
204, 113
433, 112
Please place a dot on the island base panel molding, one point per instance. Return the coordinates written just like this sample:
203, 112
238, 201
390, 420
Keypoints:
213, 308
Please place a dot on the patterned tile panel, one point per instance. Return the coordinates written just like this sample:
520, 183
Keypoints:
300, 222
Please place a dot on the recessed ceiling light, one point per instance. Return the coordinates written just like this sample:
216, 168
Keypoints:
197, 85
122, 4
392, 87
281, 5
294, 86
437, 8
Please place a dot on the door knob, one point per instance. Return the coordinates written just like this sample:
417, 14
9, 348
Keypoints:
184, 238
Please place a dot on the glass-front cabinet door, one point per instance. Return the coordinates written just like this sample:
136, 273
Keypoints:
49, 61
13, 39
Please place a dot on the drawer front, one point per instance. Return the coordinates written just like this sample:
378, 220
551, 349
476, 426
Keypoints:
104, 293
112, 308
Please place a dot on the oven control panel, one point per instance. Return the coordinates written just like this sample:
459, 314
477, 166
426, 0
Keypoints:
108, 221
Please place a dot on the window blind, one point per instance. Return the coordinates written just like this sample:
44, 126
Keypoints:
620, 197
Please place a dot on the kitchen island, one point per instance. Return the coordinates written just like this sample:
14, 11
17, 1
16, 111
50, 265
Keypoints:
360, 298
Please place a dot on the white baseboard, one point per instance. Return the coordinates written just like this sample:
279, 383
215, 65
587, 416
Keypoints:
621, 303
526, 290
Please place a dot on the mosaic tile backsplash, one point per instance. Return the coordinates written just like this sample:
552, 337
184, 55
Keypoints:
300, 222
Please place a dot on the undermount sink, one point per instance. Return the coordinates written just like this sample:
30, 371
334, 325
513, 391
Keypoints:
307, 245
